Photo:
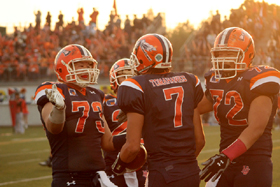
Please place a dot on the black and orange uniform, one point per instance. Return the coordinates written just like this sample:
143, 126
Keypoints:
167, 102
231, 103
111, 111
77, 149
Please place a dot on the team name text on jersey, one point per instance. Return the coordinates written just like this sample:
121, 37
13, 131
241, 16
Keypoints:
169, 80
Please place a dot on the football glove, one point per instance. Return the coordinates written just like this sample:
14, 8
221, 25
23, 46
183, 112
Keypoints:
119, 167
214, 166
121, 117
55, 97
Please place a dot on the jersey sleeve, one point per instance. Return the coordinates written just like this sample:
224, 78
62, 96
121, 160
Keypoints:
40, 95
198, 91
130, 96
209, 75
265, 81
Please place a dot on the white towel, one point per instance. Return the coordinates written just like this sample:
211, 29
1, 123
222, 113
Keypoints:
104, 180
131, 179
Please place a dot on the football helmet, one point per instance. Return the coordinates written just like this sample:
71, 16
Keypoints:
64, 66
121, 68
237, 40
151, 51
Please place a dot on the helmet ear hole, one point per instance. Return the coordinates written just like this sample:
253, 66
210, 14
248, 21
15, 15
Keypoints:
141, 61
60, 70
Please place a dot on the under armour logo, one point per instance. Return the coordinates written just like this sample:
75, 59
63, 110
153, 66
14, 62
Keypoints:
220, 163
92, 92
69, 183
111, 176
239, 78
245, 170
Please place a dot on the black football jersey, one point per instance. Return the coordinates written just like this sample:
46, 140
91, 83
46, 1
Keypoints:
78, 146
232, 99
111, 111
167, 102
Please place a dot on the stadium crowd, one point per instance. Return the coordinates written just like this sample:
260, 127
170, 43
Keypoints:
260, 19
28, 54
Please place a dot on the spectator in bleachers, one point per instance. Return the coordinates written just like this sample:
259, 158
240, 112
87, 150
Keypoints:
33, 69
127, 27
21, 69
38, 20
2, 71
80, 12
118, 21
158, 21
104, 69
211, 38
93, 17
60, 22
271, 46
145, 21
226, 23
216, 22
49, 19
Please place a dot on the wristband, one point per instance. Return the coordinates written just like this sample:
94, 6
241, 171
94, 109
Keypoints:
119, 141
234, 150
57, 116
119, 167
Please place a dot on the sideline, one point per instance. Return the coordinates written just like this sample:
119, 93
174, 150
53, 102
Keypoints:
26, 180
49, 176
22, 162
24, 140
25, 153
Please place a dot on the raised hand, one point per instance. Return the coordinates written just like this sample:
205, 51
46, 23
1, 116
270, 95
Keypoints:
55, 97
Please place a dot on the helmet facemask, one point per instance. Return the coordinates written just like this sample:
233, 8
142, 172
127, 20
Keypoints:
134, 61
84, 76
125, 72
226, 67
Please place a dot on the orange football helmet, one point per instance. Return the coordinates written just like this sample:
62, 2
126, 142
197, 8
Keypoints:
121, 68
236, 40
151, 51
65, 69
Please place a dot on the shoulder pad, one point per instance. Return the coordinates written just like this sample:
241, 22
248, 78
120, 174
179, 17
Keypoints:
263, 79
209, 74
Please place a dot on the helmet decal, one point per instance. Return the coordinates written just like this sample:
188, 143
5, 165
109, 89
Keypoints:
159, 57
66, 52
146, 47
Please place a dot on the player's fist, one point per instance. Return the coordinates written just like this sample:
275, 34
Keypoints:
214, 166
119, 167
55, 97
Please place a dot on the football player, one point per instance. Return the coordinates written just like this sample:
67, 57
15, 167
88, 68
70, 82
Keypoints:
244, 101
119, 71
161, 108
72, 114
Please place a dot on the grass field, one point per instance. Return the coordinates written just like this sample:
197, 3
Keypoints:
20, 155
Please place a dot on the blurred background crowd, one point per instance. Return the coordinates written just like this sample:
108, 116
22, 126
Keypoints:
28, 53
